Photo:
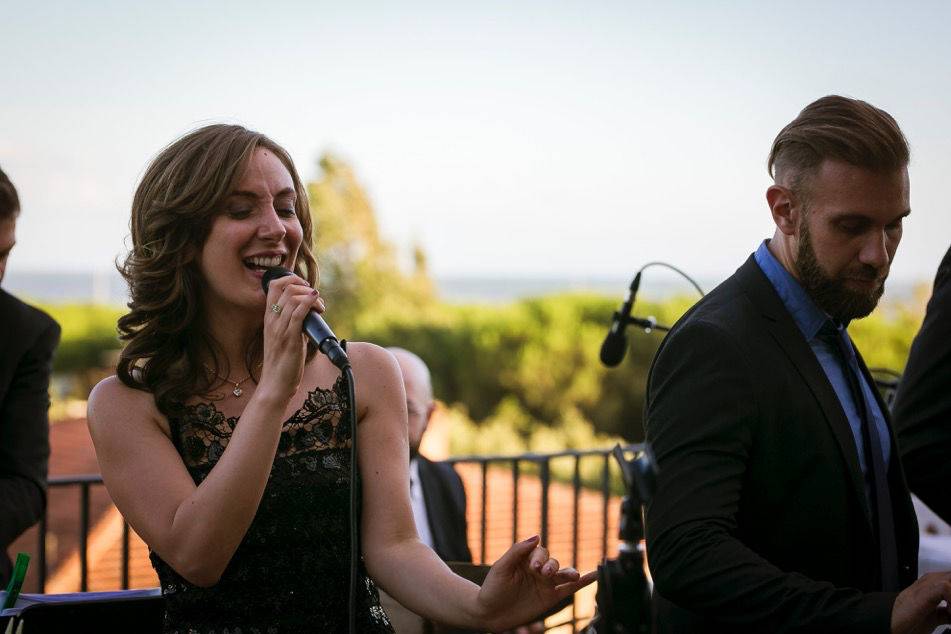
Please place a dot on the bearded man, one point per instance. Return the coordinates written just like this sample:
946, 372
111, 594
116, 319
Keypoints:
781, 503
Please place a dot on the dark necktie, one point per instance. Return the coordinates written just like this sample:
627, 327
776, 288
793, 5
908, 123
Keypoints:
877, 470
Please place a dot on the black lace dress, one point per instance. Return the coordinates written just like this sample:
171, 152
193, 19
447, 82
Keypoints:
291, 571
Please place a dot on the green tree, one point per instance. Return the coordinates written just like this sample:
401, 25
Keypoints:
359, 270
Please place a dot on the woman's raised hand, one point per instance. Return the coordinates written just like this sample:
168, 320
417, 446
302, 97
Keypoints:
525, 582
289, 299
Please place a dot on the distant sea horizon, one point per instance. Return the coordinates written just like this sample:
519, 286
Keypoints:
108, 287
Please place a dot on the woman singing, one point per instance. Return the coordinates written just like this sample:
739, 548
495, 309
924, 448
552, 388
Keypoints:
224, 439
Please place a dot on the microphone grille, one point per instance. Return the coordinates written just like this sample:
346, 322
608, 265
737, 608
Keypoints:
613, 349
272, 274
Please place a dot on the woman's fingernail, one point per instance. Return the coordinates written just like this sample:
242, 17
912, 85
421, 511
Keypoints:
530, 539
313, 292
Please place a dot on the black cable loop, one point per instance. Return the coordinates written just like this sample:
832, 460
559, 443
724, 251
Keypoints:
675, 270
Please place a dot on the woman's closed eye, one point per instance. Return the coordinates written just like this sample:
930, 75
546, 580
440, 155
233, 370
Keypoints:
239, 212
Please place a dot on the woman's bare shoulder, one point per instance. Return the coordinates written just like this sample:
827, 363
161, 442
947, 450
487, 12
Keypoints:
368, 351
377, 375
112, 400
371, 359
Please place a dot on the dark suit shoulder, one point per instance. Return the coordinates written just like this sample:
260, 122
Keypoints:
445, 498
732, 304
721, 325
922, 405
24, 321
443, 472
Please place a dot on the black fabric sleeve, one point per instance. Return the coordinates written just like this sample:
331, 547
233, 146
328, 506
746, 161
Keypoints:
922, 410
24, 438
701, 420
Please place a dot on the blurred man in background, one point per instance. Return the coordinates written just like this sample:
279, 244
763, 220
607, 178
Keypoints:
436, 491
28, 338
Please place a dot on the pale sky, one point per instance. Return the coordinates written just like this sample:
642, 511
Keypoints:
507, 138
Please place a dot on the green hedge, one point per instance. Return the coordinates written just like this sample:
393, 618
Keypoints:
533, 363
89, 335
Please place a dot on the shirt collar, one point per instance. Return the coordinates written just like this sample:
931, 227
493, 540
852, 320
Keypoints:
808, 317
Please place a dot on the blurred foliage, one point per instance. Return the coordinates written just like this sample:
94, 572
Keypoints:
885, 337
359, 270
531, 363
89, 335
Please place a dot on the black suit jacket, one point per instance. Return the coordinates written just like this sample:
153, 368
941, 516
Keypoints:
27, 339
445, 500
923, 403
760, 522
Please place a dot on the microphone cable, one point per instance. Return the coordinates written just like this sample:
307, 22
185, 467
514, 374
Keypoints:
319, 332
354, 499
675, 270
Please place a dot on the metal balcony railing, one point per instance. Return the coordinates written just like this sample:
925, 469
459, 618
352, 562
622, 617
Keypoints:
588, 472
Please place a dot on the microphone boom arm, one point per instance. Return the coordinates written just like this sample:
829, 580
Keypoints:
648, 323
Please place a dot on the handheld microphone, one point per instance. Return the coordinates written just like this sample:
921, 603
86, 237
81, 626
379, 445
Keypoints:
615, 344
314, 325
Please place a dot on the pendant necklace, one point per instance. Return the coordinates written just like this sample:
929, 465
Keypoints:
237, 391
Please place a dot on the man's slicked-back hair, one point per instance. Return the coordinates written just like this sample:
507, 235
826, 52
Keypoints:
9, 201
841, 129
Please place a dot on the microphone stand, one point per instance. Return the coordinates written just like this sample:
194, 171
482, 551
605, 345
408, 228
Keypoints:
624, 591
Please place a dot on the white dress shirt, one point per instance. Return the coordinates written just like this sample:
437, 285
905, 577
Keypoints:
419, 505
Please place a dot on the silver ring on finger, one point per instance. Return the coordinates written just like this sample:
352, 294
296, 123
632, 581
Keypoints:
276, 309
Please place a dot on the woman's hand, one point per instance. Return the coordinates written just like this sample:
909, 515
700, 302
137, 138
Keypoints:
525, 582
289, 299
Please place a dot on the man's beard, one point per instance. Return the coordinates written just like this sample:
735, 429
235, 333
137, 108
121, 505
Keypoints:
831, 294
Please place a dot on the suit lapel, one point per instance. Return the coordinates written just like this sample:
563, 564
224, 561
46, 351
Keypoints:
427, 484
790, 339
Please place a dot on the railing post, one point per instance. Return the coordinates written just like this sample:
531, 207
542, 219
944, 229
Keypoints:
514, 500
485, 499
83, 536
606, 494
41, 552
576, 495
125, 555
545, 477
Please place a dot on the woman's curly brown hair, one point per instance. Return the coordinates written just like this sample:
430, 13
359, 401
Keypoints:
181, 192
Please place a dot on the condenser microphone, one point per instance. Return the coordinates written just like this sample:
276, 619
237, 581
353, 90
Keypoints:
314, 325
615, 344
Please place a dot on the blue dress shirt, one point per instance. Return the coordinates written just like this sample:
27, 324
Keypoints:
809, 318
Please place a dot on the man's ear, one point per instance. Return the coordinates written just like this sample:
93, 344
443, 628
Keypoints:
785, 208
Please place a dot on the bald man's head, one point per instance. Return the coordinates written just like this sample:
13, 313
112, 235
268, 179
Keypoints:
419, 395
